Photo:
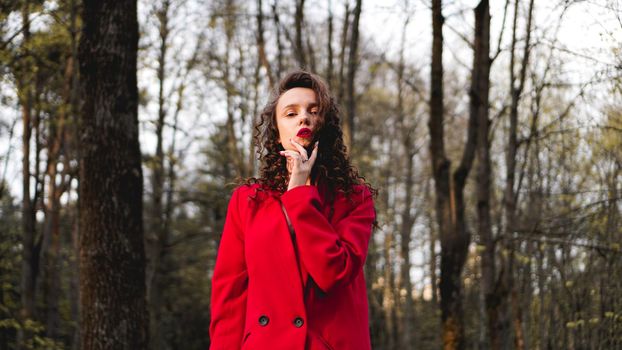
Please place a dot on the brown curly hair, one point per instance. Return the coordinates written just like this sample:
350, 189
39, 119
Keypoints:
332, 167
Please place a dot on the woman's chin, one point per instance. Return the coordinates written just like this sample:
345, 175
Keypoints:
305, 142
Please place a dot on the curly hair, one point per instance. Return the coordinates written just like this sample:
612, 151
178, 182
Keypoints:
332, 167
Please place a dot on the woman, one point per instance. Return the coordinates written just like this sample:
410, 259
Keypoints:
289, 270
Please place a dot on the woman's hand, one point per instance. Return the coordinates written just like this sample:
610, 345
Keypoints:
299, 164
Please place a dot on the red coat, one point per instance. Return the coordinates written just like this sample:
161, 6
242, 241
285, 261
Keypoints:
272, 292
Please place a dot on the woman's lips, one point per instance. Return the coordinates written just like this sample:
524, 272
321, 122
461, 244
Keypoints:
304, 133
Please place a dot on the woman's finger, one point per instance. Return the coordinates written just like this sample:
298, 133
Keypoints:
300, 148
314, 152
291, 154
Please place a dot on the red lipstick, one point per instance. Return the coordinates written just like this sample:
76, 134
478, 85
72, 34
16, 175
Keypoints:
305, 133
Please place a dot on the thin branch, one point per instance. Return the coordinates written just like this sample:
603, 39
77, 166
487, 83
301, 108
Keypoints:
611, 247
21, 29
505, 13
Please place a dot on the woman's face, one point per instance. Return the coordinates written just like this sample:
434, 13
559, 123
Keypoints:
297, 117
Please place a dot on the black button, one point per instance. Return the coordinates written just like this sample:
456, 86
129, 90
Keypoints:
263, 320
298, 322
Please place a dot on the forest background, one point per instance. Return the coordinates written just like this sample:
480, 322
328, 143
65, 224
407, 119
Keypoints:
495, 143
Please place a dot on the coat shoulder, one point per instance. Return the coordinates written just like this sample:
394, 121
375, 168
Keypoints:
251, 194
360, 193
358, 197
245, 189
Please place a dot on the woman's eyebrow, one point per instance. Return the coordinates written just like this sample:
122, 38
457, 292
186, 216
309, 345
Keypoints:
312, 104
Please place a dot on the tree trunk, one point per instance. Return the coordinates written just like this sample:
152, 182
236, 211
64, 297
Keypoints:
252, 162
156, 238
329, 48
261, 46
29, 264
408, 217
113, 311
299, 49
50, 248
349, 129
311, 66
451, 310
232, 139
506, 282
27, 211
388, 302
279, 43
72, 144
432, 243
479, 109
342, 53
450, 206
74, 282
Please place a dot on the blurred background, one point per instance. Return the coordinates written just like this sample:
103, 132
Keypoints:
513, 242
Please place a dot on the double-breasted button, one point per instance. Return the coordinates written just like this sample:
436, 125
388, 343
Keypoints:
298, 322
263, 320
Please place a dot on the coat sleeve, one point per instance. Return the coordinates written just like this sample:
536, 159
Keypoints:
229, 283
332, 255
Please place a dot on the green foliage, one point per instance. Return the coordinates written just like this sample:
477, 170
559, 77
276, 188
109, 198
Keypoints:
36, 340
10, 271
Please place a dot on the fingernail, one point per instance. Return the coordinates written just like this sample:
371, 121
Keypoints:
317, 143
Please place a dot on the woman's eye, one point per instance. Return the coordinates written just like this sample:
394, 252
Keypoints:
290, 114
314, 111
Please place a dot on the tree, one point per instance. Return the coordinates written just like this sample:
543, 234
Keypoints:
480, 84
29, 255
408, 214
498, 285
112, 259
299, 49
261, 46
353, 63
450, 204
158, 236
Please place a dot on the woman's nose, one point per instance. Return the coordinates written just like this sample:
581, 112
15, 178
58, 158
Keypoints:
306, 118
